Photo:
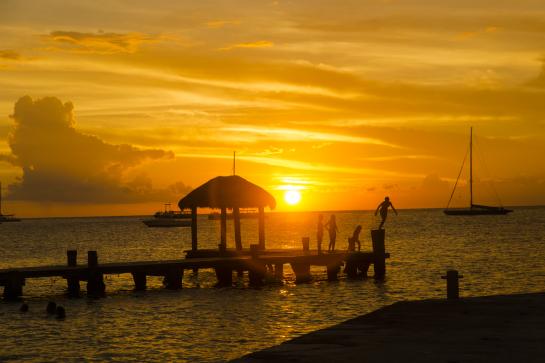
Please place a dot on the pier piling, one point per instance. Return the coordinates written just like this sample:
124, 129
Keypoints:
173, 278
95, 280
72, 281
379, 265
140, 280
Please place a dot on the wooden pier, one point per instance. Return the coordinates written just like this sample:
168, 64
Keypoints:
258, 262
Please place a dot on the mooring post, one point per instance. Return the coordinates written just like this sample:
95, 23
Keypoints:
95, 280
306, 243
72, 279
453, 290
379, 253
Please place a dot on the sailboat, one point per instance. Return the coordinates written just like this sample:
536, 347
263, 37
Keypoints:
6, 217
474, 209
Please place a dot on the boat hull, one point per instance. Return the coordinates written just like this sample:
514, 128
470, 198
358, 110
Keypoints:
477, 212
166, 223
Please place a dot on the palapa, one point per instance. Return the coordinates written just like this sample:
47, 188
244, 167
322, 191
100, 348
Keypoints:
228, 192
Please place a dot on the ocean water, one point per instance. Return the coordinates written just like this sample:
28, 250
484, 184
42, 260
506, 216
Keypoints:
496, 255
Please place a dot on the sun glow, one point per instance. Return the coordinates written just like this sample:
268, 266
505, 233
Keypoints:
292, 197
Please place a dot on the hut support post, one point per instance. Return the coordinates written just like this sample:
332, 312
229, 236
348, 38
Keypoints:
262, 228
194, 229
223, 231
238, 238
13, 289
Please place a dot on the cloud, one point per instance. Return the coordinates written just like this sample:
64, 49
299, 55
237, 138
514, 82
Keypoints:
9, 54
61, 164
258, 44
99, 42
218, 24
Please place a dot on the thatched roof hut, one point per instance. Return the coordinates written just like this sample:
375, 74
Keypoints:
228, 192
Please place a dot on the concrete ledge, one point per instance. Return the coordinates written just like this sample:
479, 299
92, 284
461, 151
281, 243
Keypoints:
507, 328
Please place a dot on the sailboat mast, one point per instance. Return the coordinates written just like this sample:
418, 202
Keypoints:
471, 167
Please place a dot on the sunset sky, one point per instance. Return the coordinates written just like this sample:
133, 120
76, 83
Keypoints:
115, 107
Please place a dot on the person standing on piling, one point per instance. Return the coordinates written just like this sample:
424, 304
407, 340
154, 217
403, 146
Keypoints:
320, 232
383, 207
331, 227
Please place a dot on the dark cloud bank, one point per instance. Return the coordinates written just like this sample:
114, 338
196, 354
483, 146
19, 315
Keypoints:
61, 164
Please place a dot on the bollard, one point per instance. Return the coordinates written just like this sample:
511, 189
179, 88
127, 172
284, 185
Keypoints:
306, 243
452, 278
23, 308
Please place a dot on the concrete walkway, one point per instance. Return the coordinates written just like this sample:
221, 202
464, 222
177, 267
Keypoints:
509, 328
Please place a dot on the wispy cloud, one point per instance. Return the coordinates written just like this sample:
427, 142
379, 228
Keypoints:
218, 24
9, 54
257, 44
285, 134
100, 42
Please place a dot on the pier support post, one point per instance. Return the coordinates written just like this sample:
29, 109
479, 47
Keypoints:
173, 278
13, 288
453, 290
140, 281
379, 253
256, 270
333, 271
302, 272
95, 280
279, 271
256, 274
351, 269
72, 280
224, 276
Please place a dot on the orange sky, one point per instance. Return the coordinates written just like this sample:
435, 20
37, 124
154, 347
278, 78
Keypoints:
131, 104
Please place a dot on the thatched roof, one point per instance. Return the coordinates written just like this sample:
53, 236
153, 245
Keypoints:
228, 192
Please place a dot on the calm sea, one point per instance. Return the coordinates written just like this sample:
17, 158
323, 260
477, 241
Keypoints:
496, 255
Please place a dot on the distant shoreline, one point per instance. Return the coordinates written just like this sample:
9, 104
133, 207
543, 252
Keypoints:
502, 328
276, 212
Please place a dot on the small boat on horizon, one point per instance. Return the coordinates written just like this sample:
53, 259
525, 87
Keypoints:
6, 217
169, 218
474, 209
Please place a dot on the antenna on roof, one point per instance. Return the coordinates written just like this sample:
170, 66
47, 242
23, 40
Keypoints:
234, 157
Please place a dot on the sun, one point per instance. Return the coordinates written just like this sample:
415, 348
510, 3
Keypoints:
292, 197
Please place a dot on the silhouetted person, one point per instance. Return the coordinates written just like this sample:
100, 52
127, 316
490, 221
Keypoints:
355, 239
320, 232
383, 207
331, 227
